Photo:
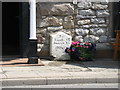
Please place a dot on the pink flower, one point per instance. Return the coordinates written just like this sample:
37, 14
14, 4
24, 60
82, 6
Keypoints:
77, 42
80, 46
74, 43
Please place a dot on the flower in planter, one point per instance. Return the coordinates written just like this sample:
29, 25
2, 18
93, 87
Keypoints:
81, 50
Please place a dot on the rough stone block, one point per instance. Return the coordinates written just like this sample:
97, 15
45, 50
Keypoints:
103, 39
40, 39
102, 25
55, 9
82, 31
101, 32
84, 5
98, 20
99, 6
97, 31
85, 26
49, 21
43, 50
68, 24
82, 22
86, 12
68, 18
102, 13
104, 3
41, 31
94, 25
52, 29
91, 38
79, 38
82, 16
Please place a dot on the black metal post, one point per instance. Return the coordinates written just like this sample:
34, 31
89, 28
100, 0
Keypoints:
32, 54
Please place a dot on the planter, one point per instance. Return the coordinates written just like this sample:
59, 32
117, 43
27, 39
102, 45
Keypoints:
81, 51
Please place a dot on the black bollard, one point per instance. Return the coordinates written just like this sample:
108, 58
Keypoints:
32, 54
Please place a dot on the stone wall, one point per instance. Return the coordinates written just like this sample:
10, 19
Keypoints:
84, 21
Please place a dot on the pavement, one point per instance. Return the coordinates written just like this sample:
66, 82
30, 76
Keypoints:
61, 72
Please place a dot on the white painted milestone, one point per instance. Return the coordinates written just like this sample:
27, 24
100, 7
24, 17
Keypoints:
58, 43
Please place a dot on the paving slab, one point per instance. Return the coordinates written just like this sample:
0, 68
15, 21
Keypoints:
61, 72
